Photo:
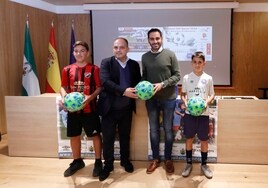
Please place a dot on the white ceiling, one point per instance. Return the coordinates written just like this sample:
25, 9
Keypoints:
83, 6
81, 2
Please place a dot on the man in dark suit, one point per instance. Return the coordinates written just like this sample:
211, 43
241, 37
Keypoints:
119, 76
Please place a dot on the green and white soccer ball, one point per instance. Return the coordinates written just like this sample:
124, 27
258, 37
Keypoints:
74, 101
145, 90
196, 106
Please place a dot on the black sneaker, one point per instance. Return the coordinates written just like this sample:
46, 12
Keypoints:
97, 168
128, 166
104, 174
74, 167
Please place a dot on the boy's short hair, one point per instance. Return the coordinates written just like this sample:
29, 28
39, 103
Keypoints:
199, 54
81, 43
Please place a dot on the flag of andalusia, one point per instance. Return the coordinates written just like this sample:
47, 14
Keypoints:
30, 83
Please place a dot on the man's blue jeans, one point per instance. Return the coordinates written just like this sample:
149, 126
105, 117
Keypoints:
153, 109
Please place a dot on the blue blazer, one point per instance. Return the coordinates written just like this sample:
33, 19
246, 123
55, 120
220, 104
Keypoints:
110, 79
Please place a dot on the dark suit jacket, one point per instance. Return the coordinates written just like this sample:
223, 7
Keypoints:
110, 78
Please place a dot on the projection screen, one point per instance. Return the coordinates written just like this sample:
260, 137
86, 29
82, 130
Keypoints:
184, 32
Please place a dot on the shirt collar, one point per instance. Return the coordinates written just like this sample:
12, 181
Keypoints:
123, 64
159, 50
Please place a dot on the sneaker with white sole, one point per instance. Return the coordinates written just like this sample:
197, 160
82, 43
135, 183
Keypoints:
207, 172
187, 170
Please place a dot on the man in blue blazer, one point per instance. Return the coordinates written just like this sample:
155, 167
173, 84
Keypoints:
119, 76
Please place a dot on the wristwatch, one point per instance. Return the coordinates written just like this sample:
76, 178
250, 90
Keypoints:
163, 84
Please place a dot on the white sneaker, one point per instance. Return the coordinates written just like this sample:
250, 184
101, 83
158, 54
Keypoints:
207, 172
187, 170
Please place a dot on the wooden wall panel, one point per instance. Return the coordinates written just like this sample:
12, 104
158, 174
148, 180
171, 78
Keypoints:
39, 26
242, 131
250, 41
81, 29
32, 130
12, 29
139, 133
4, 57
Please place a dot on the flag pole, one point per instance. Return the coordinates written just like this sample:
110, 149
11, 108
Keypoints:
72, 59
73, 24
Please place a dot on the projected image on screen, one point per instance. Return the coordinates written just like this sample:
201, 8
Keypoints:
184, 32
182, 40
